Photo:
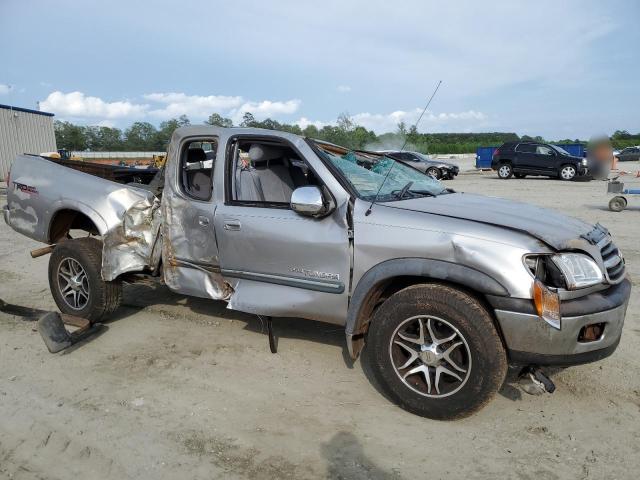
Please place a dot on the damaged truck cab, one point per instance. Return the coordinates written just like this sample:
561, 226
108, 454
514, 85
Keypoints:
443, 289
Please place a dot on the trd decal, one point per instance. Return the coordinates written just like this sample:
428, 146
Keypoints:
26, 188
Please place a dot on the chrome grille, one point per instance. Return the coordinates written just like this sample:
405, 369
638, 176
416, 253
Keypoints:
612, 258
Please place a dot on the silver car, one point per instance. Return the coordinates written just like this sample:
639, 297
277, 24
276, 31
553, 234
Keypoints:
442, 289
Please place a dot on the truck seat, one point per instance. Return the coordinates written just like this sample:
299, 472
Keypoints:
273, 172
248, 187
199, 181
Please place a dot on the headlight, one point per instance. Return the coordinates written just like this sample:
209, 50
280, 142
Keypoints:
584, 162
579, 270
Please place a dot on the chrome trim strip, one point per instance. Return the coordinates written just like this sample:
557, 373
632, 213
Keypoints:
317, 285
208, 267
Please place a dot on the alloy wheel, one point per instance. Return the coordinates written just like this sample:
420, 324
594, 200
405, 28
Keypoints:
73, 283
430, 356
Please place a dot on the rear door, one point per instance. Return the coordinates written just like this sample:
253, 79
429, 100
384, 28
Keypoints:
525, 157
190, 251
279, 262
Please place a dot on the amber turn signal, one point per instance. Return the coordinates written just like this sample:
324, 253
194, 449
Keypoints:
547, 304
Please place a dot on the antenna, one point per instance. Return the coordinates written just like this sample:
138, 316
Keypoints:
403, 145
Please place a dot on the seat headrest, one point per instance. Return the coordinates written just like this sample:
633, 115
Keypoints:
262, 153
196, 155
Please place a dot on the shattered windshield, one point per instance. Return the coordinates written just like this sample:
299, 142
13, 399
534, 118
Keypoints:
366, 174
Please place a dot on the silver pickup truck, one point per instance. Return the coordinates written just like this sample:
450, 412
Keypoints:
442, 289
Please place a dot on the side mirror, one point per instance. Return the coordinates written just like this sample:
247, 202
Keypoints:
308, 201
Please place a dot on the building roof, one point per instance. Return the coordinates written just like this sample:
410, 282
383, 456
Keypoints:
27, 110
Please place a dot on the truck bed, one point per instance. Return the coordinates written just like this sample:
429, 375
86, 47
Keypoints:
118, 201
114, 173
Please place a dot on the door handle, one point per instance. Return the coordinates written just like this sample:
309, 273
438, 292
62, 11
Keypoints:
232, 225
203, 221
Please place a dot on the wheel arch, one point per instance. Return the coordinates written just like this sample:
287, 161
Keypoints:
73, 218
386, 278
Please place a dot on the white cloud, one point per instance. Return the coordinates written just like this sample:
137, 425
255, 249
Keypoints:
106, 123
470, 120
161, 106
430, 122
194, 106
304, 122
5, 89
264, 109
78, 105
343, 88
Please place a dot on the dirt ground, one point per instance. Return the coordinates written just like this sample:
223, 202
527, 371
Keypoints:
177, 387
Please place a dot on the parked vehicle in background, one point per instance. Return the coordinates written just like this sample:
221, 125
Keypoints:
434, 168
443, 289
520, 159
629, 154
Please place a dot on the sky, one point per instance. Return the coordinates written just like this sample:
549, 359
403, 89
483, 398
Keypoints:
560, 69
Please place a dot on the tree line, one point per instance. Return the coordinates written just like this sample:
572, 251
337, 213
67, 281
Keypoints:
144, 136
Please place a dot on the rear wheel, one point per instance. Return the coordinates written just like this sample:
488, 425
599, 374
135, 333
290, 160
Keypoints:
434, 172
435, 351
567, 172
76, 282
505, 171
617, 204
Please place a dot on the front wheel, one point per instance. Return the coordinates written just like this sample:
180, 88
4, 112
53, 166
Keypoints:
434, 172
568, 172
76, 282
436, 352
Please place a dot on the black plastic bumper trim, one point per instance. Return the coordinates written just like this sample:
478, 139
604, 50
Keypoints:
528, 358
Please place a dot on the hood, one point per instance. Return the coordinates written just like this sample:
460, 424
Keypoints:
556, 230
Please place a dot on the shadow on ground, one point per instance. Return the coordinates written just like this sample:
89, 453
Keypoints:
346, 460
137, 297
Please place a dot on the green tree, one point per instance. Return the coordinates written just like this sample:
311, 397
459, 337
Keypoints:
218, 120
69, 136
140, 136
345, 122
248, 120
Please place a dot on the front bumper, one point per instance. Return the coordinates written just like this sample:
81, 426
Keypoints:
450, 172
530, 340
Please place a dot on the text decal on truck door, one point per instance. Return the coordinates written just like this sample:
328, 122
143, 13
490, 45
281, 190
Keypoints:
315, 273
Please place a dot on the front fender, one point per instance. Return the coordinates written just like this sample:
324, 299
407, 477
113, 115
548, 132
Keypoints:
430, 269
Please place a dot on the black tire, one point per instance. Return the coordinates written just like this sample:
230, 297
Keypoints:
434, 172
505, 170
617, 204
567, 172
450, 310
519, 175
103, 298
